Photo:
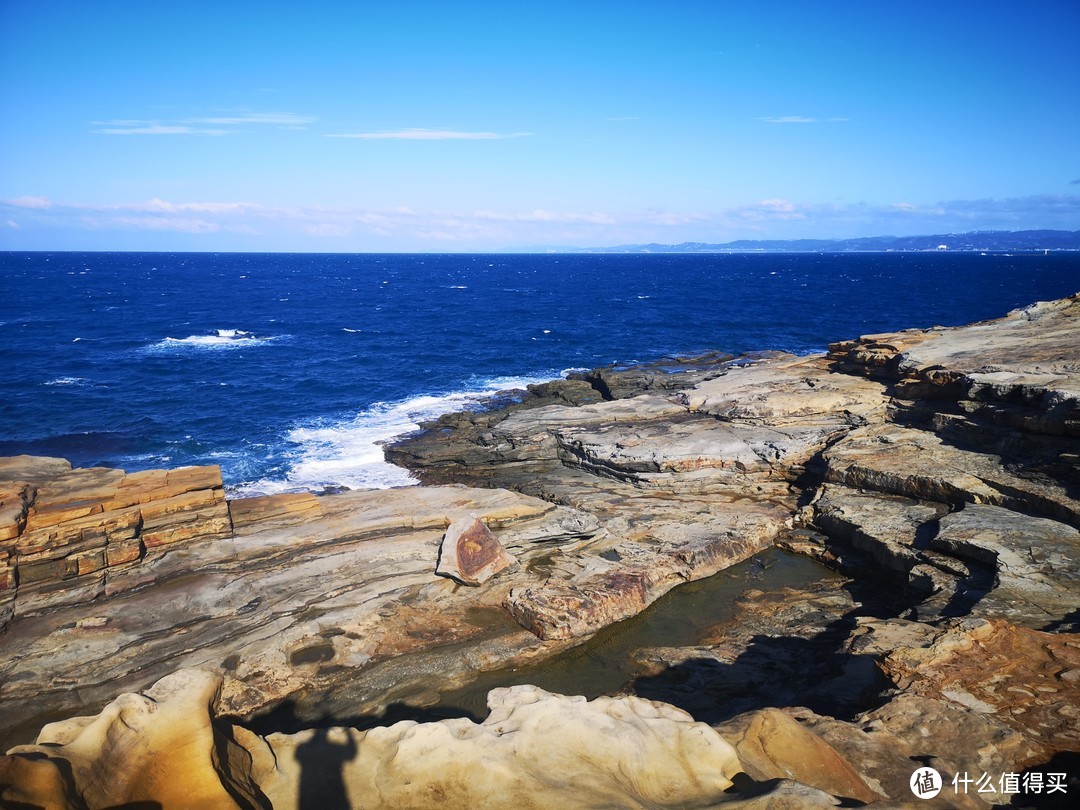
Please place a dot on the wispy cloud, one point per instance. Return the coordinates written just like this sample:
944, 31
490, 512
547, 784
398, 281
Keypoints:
213, 125
283, 119
802, 119
30, 202
539, 215
429, 135
320, 227
768, 210
152, 128
788, 119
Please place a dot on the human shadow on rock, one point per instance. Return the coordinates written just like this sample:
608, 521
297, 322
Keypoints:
322, 778
285, 718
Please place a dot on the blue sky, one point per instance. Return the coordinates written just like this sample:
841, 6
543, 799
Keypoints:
460, 126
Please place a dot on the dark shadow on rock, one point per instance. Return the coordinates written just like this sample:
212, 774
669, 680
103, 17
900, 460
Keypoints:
1059, 781
970, 590
1069, 623
744, 787
322, 780
286, 718
783, 670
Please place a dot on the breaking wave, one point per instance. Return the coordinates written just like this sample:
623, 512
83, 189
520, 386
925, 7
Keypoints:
218, 339
348, 452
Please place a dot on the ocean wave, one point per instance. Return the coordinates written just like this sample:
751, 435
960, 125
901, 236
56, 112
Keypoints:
67, 381
218, 339
348, 452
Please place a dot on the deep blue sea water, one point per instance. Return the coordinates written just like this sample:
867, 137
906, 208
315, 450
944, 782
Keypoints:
288, 369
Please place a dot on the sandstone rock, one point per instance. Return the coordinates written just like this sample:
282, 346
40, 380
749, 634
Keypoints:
535, 750
787, 388
884, 527
1036, 562
470, 553
315, 610
169, 748
772, 745
919, 464
158, 747
665, 374
64, 528
886, 754
1018, 676
254, 511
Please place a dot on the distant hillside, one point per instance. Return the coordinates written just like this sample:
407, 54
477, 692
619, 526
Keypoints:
973, 241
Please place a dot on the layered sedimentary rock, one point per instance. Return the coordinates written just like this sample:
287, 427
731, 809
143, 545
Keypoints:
305, 597
935, 470
62, 528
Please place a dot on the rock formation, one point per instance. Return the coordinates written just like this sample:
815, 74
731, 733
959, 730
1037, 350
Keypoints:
169, 748
470, 553
936, 471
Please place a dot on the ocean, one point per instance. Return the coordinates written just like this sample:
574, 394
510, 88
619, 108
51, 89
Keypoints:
291, 370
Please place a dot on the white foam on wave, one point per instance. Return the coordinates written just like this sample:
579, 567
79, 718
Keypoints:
218, 339
349, 452
67, 381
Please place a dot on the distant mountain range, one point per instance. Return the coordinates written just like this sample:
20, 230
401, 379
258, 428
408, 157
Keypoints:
977, 241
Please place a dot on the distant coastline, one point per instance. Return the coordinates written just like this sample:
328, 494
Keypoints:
1036, 241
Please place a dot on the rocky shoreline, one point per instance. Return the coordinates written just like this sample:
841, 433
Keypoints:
936, 471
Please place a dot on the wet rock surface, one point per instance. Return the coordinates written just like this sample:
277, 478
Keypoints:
935, 470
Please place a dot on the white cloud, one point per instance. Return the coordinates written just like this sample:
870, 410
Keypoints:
331, 229
151, 223
429, 135
205, 125
802, 119
769, 210
540, 215
277, 118
320, 227
150, 128
789, 119
30, 202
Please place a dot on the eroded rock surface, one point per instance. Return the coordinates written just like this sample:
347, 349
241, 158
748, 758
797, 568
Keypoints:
470, 553
169, 748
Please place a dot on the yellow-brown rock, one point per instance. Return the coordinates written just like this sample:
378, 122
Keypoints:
1026, 679
536, 750
62, 525
159, 748
771, 744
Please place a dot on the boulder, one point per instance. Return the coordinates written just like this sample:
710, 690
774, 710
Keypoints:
470, 553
